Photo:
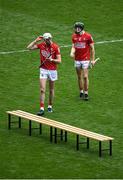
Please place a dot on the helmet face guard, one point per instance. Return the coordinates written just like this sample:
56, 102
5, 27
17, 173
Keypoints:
78, 26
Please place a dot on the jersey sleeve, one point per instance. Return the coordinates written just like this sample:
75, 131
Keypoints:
73, 38
90, 40
57, 50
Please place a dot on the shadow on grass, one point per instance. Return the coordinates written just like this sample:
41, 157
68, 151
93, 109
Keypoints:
69, 146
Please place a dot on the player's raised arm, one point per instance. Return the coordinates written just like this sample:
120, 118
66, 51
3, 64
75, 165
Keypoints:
33, 45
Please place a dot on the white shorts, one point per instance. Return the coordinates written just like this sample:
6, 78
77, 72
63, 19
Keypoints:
82, 64
48, 74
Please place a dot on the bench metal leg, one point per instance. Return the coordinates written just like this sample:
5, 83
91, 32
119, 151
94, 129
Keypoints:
9, 121
19, 122
87, 143
55, 135
30, 127
110, 147
77, 142
40, 128
51, 134
63, 134
100, 148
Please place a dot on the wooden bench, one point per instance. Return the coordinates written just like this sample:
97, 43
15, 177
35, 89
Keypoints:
64, 128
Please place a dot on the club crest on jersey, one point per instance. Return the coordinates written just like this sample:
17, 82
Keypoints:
44, 53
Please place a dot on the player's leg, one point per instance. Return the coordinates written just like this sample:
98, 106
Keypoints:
80, 81
85, 66
42, 92
51, 95
42, 96
86, 83
78, 66
43, 80
53, 76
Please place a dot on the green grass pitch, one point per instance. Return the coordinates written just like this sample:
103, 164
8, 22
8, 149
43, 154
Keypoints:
21, 156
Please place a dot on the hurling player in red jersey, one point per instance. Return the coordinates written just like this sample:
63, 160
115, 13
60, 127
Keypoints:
83, 53
49, 58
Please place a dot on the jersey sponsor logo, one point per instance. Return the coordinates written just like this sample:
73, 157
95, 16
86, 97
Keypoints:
79, 45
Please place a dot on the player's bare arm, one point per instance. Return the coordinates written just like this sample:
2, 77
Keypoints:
33, 45
72, 53
57, 60
92, 54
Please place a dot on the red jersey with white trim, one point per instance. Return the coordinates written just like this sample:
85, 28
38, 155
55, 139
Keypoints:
82, 46
48, 51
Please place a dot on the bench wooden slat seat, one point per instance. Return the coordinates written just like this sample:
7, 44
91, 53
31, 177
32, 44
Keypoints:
63, 127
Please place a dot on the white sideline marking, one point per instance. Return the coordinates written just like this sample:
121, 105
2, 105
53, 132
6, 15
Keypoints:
112, 41
63, 46
11, 52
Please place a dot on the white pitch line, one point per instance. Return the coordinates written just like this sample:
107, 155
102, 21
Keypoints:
12, 52
63, 46
106, 42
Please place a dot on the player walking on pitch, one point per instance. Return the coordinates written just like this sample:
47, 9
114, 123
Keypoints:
49, 57
83, 53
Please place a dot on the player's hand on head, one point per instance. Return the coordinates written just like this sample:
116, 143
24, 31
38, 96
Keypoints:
39, 38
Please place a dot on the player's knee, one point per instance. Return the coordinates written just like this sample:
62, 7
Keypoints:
85, 77
42, 90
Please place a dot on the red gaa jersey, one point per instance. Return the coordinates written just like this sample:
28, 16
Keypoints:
82, 46
48, 51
